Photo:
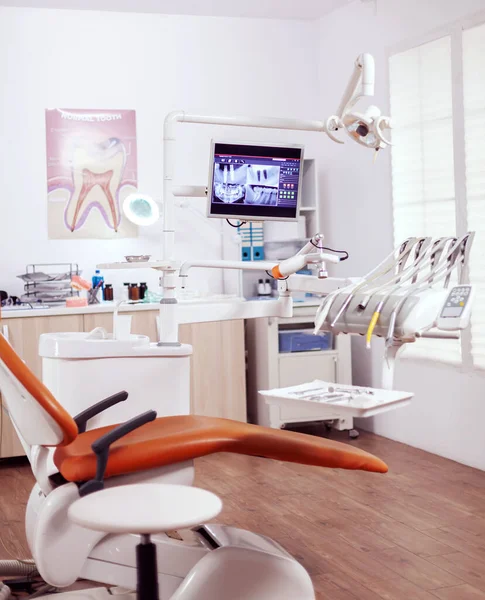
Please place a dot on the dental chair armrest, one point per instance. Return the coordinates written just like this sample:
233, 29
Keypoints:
83, 417
102, 445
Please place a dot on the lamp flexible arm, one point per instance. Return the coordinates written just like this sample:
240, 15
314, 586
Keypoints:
363, 76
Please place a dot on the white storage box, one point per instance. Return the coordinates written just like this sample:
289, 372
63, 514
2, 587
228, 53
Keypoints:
81, 369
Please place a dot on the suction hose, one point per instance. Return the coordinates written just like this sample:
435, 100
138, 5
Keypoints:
11, 568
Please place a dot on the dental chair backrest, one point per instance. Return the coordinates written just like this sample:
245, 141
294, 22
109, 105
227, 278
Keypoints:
38, 417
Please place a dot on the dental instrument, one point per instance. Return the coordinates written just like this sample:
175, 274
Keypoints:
402, 277
307, 256
382, 269
439, 272
323, 403
409, 298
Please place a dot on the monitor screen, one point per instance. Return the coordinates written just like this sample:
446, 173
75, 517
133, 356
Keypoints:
255, 182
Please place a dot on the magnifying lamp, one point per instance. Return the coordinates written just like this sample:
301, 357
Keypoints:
141, 209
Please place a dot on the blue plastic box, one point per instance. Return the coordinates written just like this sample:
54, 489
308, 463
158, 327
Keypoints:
303, 341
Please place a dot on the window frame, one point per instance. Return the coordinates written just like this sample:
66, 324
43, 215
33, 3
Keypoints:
455, 31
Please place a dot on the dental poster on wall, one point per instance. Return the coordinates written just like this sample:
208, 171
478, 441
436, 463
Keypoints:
91, 168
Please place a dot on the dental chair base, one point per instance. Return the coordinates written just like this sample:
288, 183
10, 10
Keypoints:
191, 569
227, 573
234, 572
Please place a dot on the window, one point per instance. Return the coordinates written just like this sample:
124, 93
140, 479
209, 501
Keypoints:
423, 182
437, 93
422, 154
474, 108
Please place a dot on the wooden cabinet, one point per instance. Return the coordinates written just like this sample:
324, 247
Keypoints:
218, 377
24, 335
218, 374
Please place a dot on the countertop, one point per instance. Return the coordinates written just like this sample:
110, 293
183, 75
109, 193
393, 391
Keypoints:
189, 310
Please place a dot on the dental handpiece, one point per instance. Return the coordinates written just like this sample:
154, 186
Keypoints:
435, 276
398, 306
402, 275
326, 305
412, 274
388, 264
404, 252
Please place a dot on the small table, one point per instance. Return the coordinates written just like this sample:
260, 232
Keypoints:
144, 509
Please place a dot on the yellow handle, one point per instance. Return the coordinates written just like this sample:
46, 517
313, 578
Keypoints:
370, 329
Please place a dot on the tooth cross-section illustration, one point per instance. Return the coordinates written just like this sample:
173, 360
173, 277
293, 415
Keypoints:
97, 171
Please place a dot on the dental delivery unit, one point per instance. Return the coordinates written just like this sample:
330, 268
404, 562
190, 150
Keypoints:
114, 503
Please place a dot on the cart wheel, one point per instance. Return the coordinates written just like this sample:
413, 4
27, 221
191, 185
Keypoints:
353, 434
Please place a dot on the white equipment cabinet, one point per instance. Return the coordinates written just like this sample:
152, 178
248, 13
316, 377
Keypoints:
269, 369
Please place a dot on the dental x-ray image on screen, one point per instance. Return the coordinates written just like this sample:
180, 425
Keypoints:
230, 183
256, 183
262, 184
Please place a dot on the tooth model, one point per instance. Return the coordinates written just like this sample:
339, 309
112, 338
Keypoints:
97, 170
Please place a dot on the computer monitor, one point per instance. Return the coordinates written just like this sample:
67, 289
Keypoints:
255, 182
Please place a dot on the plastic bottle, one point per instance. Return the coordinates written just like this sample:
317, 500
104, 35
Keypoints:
97, 277
124, 295
267, 287
108, 295
135, 292
143, 290
261, 288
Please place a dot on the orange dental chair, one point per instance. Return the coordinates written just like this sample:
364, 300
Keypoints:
69, 462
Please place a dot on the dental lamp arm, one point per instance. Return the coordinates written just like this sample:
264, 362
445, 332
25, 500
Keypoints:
363, 76
366, 128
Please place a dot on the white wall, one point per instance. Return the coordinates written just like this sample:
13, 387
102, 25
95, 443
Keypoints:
448, 413
154, 64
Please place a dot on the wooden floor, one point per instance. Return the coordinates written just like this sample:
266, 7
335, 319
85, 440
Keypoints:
417, 533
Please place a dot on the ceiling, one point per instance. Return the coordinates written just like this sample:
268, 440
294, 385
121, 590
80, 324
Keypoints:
267, 9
